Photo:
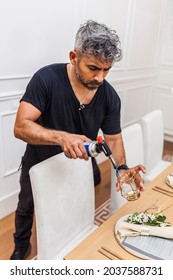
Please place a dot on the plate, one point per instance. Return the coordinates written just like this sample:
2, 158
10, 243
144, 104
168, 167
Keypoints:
145, 247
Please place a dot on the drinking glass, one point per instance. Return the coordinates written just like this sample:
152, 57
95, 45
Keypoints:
129, 190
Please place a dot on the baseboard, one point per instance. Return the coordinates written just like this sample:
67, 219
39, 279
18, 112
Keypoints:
8, 204
168, 138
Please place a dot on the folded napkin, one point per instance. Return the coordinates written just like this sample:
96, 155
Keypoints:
169, 180
128, 229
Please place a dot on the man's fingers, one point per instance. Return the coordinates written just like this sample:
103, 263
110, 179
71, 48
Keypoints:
138, 168
139, 181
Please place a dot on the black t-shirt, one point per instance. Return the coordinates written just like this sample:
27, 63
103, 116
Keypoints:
50, 91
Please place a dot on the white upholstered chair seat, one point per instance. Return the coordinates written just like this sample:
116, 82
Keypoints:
63, 191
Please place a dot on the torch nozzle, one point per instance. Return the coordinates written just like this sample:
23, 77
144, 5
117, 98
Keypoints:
104, 147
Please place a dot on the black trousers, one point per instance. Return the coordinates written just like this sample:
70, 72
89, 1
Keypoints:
25, 208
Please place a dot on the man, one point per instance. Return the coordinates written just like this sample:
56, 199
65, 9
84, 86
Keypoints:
65, 105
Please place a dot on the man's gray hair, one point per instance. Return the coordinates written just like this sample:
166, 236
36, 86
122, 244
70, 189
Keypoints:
95, 39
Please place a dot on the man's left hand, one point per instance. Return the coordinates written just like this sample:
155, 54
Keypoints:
131, 172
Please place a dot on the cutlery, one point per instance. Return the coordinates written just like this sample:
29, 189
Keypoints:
112, 255
163, 191
106, 254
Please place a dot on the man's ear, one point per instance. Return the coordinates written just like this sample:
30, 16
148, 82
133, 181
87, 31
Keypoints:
73, 57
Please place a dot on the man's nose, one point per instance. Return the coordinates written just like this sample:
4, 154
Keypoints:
99, 77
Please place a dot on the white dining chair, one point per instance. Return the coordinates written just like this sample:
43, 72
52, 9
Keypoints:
153, 137
133, 144
63, 191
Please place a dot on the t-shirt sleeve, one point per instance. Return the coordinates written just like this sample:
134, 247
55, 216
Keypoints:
112, 120
36, 93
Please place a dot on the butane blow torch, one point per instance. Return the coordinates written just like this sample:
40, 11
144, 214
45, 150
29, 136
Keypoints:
104, 147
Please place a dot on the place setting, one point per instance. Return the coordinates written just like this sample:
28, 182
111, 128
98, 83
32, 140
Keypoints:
147, 234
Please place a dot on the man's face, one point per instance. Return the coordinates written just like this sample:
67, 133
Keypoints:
90, 71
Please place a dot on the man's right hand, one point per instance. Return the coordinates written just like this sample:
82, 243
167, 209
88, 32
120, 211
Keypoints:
73, 145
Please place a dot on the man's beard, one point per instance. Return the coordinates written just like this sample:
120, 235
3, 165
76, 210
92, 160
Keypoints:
90, 85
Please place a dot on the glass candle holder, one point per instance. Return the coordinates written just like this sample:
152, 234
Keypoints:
129, 190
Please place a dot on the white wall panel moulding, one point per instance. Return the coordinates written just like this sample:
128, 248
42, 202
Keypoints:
165, 89
12, 148
143, 46
165, 66
168, 27
166, 78
139, 68
140, 95
10, 95
15, 77
168, 54
139, 87
133, 78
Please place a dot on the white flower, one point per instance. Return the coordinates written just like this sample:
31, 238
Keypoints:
146, 218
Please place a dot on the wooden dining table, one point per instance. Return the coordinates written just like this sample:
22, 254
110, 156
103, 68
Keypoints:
102, 243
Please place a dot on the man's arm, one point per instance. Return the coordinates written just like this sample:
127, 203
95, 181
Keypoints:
116, 145
28, 130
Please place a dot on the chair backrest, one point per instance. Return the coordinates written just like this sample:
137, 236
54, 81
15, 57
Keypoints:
153, 137
63, 191
133, 143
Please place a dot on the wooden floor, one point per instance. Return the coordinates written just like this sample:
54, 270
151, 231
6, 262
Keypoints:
102, 193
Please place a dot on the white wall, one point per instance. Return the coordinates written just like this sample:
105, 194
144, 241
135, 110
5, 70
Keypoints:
38, 32
164, 91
